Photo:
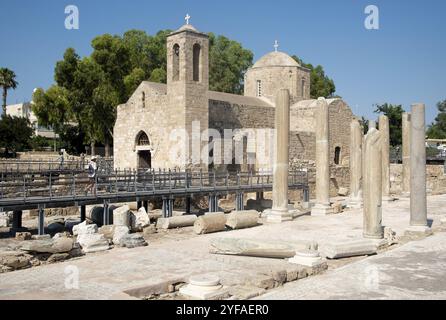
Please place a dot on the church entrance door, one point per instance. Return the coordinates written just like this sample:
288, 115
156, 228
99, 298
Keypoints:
144, 159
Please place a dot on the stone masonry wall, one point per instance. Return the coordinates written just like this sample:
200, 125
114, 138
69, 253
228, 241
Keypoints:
435, 179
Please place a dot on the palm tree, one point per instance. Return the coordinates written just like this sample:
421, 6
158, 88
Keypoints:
7, 81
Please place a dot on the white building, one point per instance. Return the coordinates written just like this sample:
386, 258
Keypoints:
23, 110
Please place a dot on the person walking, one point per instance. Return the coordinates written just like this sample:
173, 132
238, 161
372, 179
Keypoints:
92, 170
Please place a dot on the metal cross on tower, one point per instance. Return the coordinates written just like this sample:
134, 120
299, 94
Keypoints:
187, 18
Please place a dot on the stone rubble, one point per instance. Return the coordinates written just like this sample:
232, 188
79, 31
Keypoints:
133, 240
119, 233
139, 219
84, 228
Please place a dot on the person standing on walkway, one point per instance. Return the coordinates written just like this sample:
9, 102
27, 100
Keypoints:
92, 170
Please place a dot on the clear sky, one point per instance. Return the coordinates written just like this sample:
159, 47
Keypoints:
403, 62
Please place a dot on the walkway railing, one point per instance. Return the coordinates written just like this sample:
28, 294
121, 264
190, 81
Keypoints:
25, 190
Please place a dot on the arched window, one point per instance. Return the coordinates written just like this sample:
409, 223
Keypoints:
176, 63
303, 87
143, 139
337, 156
143, 99
196, 62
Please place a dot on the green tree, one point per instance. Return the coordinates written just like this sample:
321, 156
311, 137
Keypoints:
364, 124
52, 107
7, 81
321, 84
65, 69
228, 62
15, 133
133, 80
395, 115
437, 130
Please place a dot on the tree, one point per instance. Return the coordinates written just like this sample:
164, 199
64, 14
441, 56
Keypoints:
7, 81
15, 133
321, 84
52, 107
437, 130
364, 124
228, 62
395, 115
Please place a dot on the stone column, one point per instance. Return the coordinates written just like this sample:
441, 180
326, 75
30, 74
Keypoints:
373, 185
356, 137
418, 206
385, 156
279, 211
405, 185
322, 206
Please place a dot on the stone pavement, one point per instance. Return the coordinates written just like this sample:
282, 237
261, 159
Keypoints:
175, 256
416, 270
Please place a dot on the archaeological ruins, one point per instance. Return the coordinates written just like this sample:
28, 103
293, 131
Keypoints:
300, 190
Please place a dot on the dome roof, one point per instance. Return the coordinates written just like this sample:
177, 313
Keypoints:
276, 59
187, 27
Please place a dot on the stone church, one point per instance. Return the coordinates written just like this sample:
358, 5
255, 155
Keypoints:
144, 125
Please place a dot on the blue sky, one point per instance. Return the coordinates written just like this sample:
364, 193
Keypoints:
403, 62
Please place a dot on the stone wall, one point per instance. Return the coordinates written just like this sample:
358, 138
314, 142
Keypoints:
274, 78
435, 179
339, 178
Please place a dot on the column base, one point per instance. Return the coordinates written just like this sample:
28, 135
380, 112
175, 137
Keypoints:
321, 210
418, 231
306, 260
373, 236
278, 216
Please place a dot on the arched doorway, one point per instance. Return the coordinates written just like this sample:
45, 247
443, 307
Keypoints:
143, 149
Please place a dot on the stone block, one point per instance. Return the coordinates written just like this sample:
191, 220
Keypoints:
263, 281
245, 292
139, 219
342, 191
60, 245
349, 249
119, 232
12, 260
84, 228
93, 242
133, 240
121, 216
22, 236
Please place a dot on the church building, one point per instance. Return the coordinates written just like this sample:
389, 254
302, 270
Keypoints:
147, 129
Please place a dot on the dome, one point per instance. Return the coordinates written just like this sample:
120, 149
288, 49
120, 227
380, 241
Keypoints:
276, 59
187, 27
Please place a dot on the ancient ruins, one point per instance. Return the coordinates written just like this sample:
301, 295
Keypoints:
310, 192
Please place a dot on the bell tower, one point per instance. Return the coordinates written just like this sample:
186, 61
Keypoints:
188, 82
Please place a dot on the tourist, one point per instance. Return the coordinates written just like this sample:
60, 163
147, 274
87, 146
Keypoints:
92, 170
